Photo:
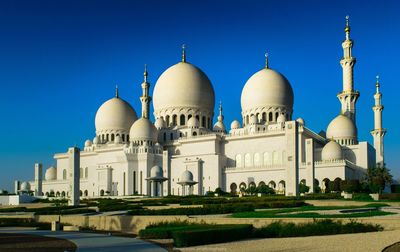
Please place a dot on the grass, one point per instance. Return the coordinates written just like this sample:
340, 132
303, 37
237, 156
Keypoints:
309, 212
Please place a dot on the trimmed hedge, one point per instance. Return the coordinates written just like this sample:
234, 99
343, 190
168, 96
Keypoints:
389, 196
212, 235
22, 222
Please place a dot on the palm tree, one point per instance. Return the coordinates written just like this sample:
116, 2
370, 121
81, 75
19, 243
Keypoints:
379, 176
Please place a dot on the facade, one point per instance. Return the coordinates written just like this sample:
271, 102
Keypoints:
183, 152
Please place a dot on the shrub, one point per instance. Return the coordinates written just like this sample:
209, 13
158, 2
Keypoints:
303, 188
350, 186
211, 235
395, 188
362, 197
390, 196
22, 222
265, 189
318, 196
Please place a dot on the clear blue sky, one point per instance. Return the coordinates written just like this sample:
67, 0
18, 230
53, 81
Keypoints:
59, 60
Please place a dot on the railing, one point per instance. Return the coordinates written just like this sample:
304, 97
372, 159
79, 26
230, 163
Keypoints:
255, 168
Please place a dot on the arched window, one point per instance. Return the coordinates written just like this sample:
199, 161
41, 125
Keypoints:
171, 136
165, 136
182, 120
80, 193
64, 174
123, 137
275, 158
247, 119
107, 137
80, 172
276, 116
189, 116
272, 184
194, 133
257, 161
267, 159
233, 188
264, 117
127, 138
247, 160
203, 121
270, 117
101, 192
62, 194
167, 120
238, 160
174, 120
86, 193
112, 137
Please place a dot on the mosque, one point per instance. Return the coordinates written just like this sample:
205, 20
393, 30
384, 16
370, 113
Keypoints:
183, 152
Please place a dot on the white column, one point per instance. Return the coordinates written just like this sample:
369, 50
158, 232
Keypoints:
73, 176
310, 169
292, 162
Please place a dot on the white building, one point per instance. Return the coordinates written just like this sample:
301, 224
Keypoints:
184, 153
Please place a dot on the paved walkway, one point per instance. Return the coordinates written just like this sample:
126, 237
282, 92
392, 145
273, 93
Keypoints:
92, 242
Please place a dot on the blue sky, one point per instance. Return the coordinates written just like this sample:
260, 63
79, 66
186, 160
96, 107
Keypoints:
60, 60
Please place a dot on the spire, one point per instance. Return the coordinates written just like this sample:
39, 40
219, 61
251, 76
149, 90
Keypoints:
145, 74
183, 53
116, 91
220, 116
347, 28
266, 60
377, 85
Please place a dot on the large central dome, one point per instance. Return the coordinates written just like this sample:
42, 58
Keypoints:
181, 92
267, 94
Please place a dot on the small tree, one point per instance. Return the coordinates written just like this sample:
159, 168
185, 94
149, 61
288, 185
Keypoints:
265, 189
303, 188
251, 190
378, 177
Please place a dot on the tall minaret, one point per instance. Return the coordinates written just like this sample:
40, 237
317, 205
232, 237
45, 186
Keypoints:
378, 132
348, 97
145, 98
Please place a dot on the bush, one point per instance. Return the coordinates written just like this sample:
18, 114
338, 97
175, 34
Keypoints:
390, 196
265, 189
318, 227
395, 188
362, 197
164, 230
350, 186
303, 188
22, 222
318, 196
217, 234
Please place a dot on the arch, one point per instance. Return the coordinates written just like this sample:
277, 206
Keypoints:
101, 192
165, 136
123, 137
272, 184
267, 159
167, 120
62, 193
127, 138
203, 122
182, 120
325, 185
64, 174
276, 115
194, 133
303, 181
247, 119
80, 193
256, 158
233, 188
189, 116
261, 183
86, 193
112, 137
107, 137
174, 120
316, 182
252, 184
281, 187
264, 117
247, 160
336, 184
242, 186
238, 160
47, 194
270, 117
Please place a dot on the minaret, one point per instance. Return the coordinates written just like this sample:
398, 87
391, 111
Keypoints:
145, 98
378, 132
348, 97
220, 116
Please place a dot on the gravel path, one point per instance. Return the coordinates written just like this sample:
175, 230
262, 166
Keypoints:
362, 242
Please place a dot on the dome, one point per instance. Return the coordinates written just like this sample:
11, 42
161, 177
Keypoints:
156, 172
186, 176
143, 130
281, 118
88, 143
341, 127
183, 85
266, 90
51, 173
95, 140
115, 115
219, 126
331, 151
235, 124
160, 123
301, 121
25, 186
193, 122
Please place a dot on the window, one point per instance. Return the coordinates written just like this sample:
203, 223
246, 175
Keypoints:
270, 117
203, 121
275, 158
247, 160
267, 159
257, 159
238, 160
86, 172
64, 174
182, 120
174, 120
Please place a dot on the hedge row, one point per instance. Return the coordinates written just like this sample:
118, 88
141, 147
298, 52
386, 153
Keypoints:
23, 222
218, 234
189, 234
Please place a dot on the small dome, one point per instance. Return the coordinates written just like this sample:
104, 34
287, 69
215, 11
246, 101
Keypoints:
2, 191
219, 126
193, 122
88, 143
25, 186
51, 173
267, 88
281, 118
186, 176
253, 119
331, 151
300, 121
160, 123
183, 85
341, 127
156, 172
235, 124
95, 140
143, 130
117, 139
115, 114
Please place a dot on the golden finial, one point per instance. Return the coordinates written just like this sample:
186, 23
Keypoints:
116, 91
183, 53
145, 73
266, 60
377, 85
347, 29
220, 107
